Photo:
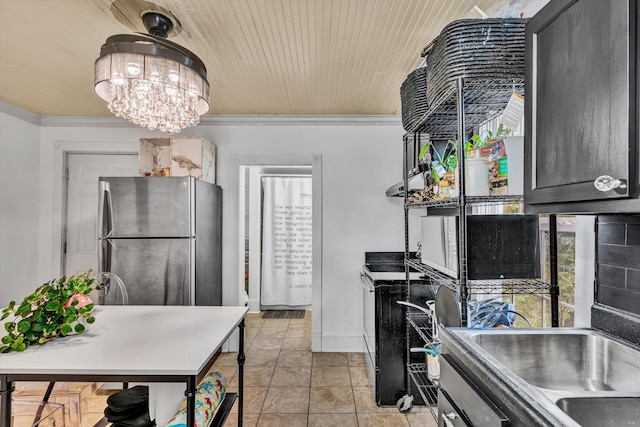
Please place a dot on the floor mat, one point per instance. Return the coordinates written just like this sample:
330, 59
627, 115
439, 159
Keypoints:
283, 314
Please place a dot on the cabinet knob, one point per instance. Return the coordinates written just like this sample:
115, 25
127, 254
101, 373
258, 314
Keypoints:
608, 183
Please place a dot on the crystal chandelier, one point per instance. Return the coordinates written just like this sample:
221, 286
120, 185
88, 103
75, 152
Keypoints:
151, 81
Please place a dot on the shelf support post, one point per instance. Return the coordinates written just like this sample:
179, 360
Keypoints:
462, 217
6, 388
241, 360
553, 267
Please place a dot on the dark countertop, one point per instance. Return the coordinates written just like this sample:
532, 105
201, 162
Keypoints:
384, 257
389, 268
616, 322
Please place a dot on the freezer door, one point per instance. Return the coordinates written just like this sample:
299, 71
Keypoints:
208, 260
154, 271
146, 207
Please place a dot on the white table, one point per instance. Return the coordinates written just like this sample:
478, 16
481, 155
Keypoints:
131, 343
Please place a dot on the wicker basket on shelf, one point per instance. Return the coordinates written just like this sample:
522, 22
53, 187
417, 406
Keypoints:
475, 49
413, 96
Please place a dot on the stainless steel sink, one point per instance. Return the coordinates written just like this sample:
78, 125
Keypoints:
603, 411
585, 361
580, 377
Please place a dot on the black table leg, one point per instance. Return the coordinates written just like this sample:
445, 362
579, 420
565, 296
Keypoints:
190, 394
241, 358
6, 388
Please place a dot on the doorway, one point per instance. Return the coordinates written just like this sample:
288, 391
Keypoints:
238, 187
278, 237
79, 245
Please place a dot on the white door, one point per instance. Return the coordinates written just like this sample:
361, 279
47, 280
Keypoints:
82, 205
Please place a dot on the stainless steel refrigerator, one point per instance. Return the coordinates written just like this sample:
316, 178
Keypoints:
162, 236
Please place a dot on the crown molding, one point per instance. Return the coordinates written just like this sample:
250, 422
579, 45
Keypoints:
244, 120
268, 120
20, 113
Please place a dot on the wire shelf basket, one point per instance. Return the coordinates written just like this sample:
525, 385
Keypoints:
469, 200
427, 389
503, 286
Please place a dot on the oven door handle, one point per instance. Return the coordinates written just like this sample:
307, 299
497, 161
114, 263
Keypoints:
367, 283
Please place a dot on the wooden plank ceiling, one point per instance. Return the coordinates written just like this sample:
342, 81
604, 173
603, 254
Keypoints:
267, 57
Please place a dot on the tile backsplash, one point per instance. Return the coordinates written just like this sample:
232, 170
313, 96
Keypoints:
618, 262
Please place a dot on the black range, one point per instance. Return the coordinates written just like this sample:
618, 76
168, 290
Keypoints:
384, 323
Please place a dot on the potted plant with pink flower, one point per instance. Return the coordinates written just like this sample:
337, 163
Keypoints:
58, 308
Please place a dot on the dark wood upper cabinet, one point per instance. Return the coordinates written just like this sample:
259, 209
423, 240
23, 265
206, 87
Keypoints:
581, 107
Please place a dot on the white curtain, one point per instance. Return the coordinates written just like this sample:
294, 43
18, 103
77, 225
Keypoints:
286, 241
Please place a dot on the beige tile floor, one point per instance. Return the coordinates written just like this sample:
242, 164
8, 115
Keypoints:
77, 400
286, 385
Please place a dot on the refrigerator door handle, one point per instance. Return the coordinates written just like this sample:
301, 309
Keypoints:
103, 227
105, 211
104, 255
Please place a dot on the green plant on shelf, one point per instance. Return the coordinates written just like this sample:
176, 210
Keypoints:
486, 137
424, 150
440, 165
478, 141
445, 162
58, 308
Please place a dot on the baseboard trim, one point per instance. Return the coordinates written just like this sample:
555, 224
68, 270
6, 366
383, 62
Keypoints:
254, 306
316, 340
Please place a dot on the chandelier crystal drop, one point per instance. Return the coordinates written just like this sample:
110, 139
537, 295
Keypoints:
152, 82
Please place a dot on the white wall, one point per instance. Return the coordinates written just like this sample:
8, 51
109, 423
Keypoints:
584, 288
19, 174
361, 158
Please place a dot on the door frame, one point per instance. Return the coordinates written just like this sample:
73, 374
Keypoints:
65, 204
61, 151
237, 189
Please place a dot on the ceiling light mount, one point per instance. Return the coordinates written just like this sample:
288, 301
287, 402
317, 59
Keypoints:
151, 81
130, 13
157, 24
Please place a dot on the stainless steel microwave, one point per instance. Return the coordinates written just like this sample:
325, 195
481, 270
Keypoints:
498, 246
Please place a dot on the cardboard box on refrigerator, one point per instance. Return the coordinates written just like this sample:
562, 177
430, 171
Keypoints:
193, 157
178, 157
